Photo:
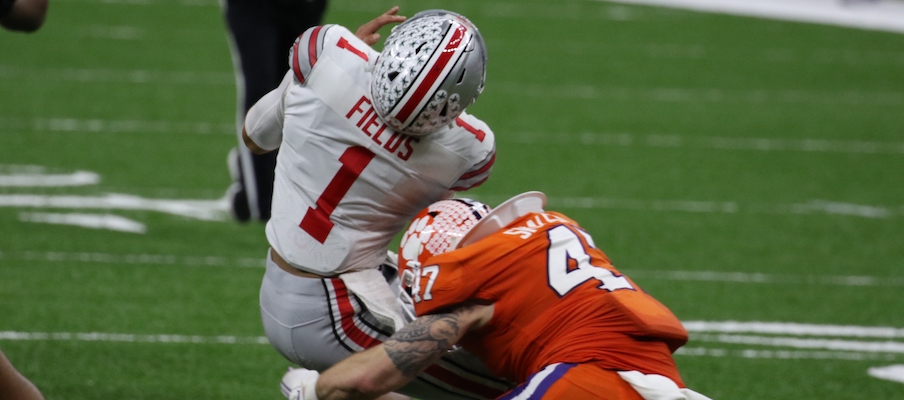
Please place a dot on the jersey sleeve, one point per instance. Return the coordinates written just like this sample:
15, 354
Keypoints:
480, 171
439, 287
307, 49
452, 278
264, 121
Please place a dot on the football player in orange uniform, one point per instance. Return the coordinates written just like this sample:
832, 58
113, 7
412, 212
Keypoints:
528, 292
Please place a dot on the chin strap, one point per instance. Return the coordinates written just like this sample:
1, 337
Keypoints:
407, 281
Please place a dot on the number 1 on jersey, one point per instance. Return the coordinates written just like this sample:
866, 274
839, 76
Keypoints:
344, 44
316, 221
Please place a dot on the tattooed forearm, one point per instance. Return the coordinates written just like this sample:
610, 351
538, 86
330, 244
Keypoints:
424, 340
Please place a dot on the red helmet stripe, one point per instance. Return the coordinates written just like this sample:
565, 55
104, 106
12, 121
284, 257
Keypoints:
433, 74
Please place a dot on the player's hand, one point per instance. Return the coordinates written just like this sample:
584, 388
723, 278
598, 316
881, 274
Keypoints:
299, 384
368, 32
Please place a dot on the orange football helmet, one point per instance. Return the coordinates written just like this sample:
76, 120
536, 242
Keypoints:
438, 228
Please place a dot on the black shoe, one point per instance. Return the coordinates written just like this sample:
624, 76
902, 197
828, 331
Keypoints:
236, 193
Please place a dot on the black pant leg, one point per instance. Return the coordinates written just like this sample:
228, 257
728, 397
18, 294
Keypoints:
263, 32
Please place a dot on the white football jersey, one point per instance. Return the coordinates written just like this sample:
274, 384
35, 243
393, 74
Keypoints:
345, 182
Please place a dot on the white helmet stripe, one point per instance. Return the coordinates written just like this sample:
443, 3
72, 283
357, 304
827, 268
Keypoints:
439, 65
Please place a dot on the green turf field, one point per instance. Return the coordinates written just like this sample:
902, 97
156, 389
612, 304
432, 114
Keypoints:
739, 169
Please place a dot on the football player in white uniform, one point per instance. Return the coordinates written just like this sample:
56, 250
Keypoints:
366, 140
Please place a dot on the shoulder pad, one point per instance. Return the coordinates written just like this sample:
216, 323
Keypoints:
307, 48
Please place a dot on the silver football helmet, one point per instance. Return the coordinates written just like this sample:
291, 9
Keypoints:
432, 66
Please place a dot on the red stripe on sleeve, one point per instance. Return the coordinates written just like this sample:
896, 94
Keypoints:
482, 169
295, 67
312, 45
463, 188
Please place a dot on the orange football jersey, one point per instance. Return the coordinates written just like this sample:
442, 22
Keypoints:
557, 299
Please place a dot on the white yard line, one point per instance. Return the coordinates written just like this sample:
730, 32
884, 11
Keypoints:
112, 32
795, 329
890, 373
697, 351
61, 124
618, 139
893, 373
872, 15
702, 95
109, 75
77, 178
217, 210
95, 221
208, 210
644, 274
763, 278
824, 344
132, 259
838, 349
726, 328
729, 207
37, 176
671, 140
827, 346
130, 338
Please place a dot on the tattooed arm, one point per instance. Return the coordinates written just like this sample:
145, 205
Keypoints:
403, 356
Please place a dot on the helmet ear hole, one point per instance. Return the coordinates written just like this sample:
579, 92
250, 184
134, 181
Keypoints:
461, 77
